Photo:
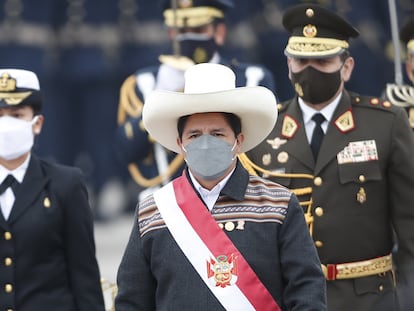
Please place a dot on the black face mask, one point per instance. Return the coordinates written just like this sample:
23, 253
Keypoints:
199, 47
315, 86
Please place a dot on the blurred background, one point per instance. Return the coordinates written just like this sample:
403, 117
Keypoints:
82, 50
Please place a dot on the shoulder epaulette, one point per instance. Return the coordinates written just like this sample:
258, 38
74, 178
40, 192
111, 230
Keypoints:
371, 102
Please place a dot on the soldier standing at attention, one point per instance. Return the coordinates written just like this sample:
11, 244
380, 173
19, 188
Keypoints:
197, 29
349, 157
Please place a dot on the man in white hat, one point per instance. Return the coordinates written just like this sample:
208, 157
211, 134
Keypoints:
217, 238
47, 245
198, 29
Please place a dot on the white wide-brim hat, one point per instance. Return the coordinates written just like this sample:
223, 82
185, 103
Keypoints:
210, 88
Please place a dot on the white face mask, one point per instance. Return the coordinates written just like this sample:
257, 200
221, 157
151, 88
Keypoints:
16, 137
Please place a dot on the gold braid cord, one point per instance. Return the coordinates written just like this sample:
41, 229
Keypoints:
131, 105
151, 182
253, 168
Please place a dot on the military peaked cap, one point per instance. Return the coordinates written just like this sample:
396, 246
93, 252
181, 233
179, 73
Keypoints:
19, 87
194, 13
316, 32
407, 34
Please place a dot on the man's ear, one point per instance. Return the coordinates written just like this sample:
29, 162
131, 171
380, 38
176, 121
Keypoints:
347, 69
220, 34
38, 125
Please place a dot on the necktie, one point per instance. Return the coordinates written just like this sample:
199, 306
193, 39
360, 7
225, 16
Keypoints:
318, 134
8, 201
9, 181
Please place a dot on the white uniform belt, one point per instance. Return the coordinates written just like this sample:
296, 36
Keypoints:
357, 269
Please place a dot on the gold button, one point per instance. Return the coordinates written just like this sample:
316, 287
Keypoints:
229, 226
361, 178
8, 288
8, 261
7, 235
10, 310
221, 225
318, 243
381, 288
319, 211
317, 181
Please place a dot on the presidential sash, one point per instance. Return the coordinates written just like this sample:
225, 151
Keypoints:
213, 255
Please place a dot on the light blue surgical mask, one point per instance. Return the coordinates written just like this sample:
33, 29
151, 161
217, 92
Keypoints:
209, 157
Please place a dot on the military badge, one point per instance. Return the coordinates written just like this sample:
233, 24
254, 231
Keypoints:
222, 271
283, 157
276, 142
345, 122
267, 159
289, 127
361, 195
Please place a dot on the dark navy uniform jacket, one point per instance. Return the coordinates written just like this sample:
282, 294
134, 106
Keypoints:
357, 203
47, 250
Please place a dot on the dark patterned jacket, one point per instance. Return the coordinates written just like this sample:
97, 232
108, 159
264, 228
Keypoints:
268, 230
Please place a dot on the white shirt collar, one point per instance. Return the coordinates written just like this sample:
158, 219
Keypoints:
210, 196
327, 111
18, 172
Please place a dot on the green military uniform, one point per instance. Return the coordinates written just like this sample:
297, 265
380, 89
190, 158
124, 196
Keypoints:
358, 194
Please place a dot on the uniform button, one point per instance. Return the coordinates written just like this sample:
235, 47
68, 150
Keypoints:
381, 288
361, 178
319, 211
7, 235
318, 244
10, 310
8, 288
8, 261
317, 181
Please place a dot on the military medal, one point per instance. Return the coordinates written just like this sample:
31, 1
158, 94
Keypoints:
361, 196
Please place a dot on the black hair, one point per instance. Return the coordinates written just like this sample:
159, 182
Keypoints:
233, 120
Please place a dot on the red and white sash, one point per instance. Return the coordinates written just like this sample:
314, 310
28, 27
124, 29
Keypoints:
205, 244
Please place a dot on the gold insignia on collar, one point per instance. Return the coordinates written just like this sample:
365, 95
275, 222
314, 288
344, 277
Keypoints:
46, 202
345, 122
310, 31
7, 83
276, 143
266, 159
289, 127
